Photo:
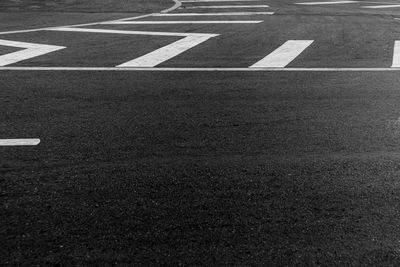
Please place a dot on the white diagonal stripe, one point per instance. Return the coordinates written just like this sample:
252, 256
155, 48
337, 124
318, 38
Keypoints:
283, 55
212, 7
327, 3
167, 52
213, 14
381, 6
187, 22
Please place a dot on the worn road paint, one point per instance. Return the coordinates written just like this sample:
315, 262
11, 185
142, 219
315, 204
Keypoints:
327, 3
187, 22
381, 6
213, 14
213, 7
396, 55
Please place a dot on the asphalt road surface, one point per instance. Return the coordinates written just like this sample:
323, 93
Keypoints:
222, 133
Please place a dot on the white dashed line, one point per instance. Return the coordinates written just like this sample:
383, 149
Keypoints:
19, 142
283, 55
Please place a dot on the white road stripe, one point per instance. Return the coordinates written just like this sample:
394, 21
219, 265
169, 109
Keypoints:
213, 7
283, 55
95, 69
128, 32
327, 3
31, 50
167, 52
381, 6
213, 14
202, 1
396, 55
188, 22
19, 142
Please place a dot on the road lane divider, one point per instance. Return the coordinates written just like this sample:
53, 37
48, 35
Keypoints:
327, 3
396, 55
381, 6
283, 55
216, 7
212, 14
19, 142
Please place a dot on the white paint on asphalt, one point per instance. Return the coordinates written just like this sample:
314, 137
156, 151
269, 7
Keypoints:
202, 1
396, 55
167, 52
31, 50
283, 55
213, 7
117, 69
381, 6
327, 3
187, 22
176, 5
19, 142
213, 14
179, 34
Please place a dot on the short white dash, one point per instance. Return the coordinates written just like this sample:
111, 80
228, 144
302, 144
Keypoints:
19, 142
396, 55
283, 55
167, 52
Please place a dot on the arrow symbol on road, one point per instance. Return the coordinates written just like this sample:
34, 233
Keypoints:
31, 50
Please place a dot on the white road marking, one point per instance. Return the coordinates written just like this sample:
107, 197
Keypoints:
62, 29
327, 3
31, 50
213, 14
188, 22
167, 52
283, 55
202, 1
381, 6
19, 142
396, 55
200, 69
212, 7
176, 5
158, 56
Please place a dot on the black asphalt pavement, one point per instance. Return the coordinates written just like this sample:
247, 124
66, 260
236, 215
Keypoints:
202, 165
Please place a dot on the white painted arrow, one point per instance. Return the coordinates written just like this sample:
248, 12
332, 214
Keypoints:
31, 50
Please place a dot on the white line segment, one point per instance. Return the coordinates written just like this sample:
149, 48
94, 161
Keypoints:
212, 7
203, 1
167, 52
94, 69
187, 22
19, 142
283, 55
31, 50
396, 55
327, 3
213, 14
381, 6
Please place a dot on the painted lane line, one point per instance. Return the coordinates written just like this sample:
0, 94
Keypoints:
213, 14
396, 55
176, 5
284, 54
212, 7
188, 22
114, 69
384, 6
19, 142
167, 52
327, 3
31, 50
203, 1
179, 34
